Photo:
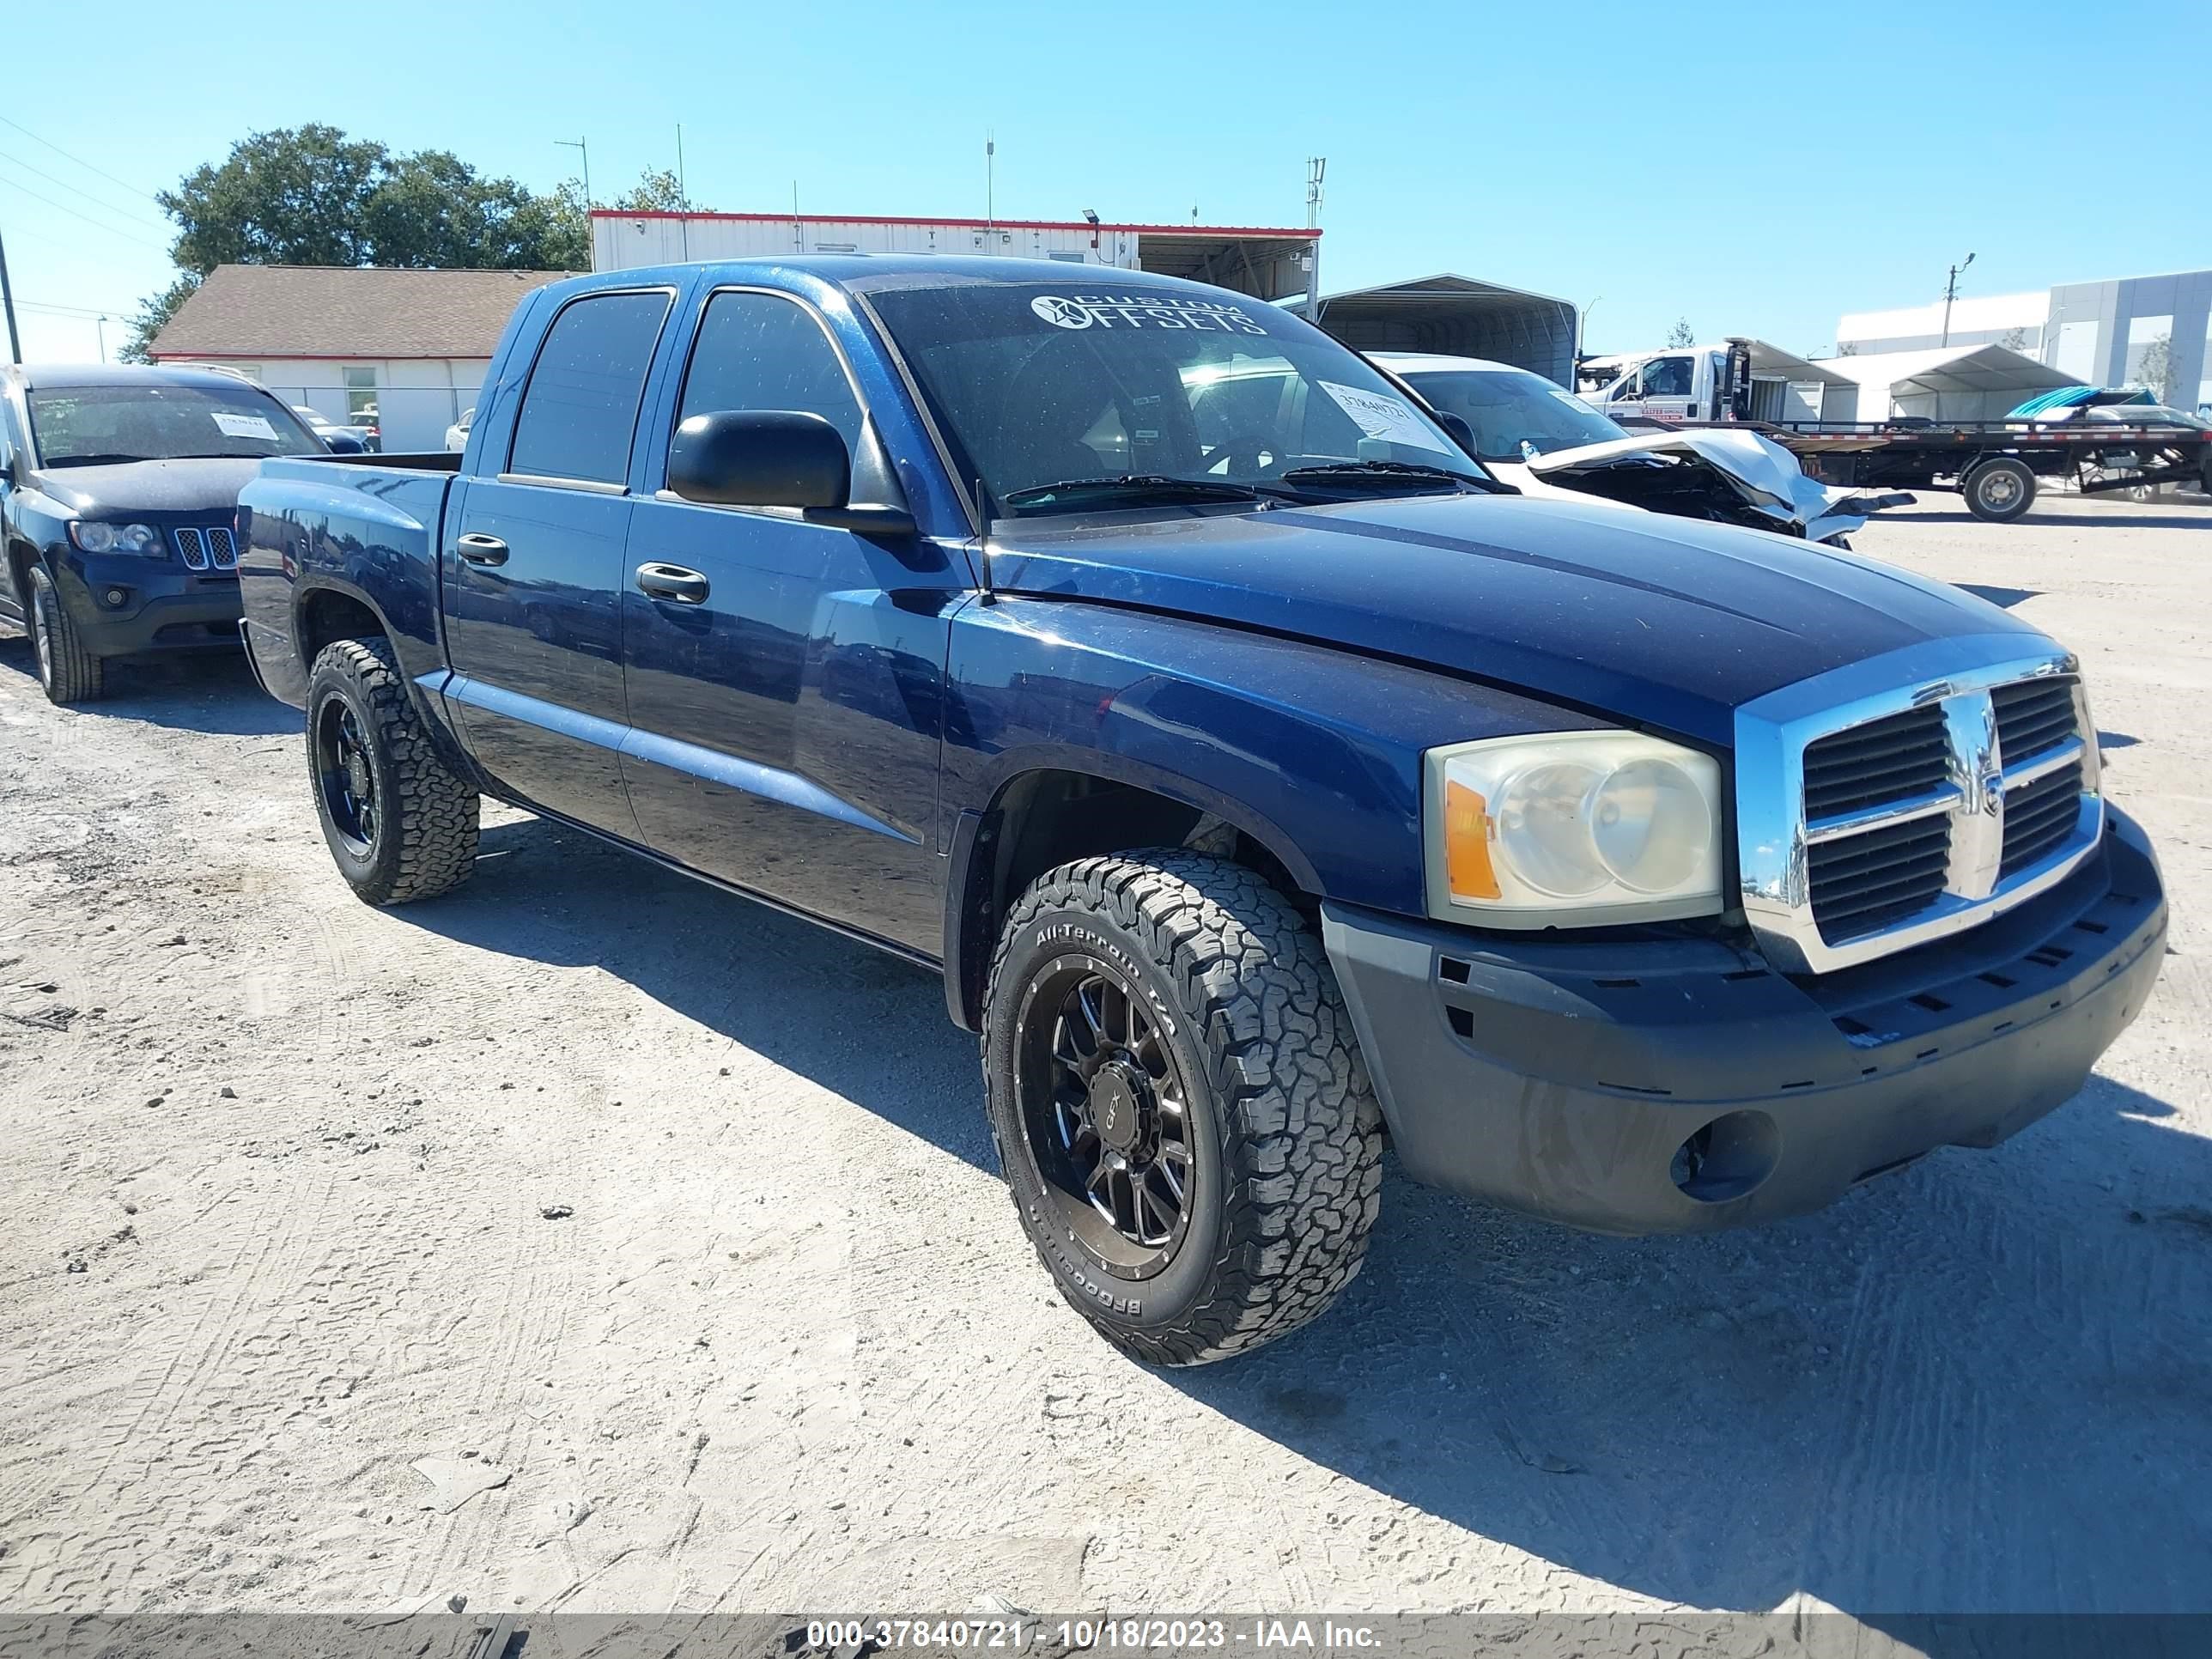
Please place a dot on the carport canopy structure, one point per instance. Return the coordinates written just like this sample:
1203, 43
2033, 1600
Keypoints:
1455, 317
1953, 383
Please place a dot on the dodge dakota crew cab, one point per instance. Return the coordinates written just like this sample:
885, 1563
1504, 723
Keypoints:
1261, 777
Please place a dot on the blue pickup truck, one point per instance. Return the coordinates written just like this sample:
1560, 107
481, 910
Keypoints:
1263, 777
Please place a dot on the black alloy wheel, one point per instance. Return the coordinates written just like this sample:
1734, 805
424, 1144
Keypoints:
1107, 1116
346, 775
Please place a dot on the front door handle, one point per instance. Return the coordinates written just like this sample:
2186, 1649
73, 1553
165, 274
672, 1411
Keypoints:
672, 581
483, 549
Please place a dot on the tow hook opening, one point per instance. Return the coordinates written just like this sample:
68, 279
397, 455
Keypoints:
1728, 1157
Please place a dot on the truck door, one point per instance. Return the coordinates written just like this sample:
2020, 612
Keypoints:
534, 566
1669, 386
786, 704
1625, 400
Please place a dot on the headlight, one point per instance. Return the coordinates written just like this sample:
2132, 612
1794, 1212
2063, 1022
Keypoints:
1572, 830
95, 537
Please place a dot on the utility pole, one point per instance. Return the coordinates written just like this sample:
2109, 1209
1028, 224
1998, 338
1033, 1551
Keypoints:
990, 184
1581, 335
1317, 170
584, 150
1951, 292
101, 328
8, 303
683, 195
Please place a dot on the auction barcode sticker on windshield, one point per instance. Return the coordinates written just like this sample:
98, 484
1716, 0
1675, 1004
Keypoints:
1379, 414
243, 426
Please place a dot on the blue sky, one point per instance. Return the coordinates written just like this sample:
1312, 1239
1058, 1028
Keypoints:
1758, 168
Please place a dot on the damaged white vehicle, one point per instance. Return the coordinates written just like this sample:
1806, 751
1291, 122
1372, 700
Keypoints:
1544, 441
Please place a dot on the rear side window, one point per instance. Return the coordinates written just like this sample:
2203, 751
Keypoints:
580, 409
757, 351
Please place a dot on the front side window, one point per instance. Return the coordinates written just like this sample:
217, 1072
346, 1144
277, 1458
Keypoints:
1037, 385
580, 409
144, 421
1509, 408
760, 351
1667, 377
1632, 385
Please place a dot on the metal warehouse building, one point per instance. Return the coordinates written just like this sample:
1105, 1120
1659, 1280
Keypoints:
2125, 331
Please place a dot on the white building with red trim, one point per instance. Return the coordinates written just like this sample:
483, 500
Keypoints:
1268, 264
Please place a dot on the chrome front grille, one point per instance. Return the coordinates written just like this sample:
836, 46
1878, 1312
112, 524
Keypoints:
1872, 820
205, 548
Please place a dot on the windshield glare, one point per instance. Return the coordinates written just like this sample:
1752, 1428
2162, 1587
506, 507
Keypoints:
92, 425
1037, 384
1509, 407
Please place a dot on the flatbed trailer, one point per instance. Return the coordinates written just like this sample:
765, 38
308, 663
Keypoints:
1995, 464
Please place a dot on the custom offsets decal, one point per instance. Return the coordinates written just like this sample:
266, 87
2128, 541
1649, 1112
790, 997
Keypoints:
1140, 310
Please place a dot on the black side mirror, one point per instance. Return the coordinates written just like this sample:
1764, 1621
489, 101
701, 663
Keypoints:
11, 468
760, 457
1460, 429
345, 443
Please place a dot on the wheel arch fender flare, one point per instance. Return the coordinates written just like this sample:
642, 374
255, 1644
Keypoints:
972, 904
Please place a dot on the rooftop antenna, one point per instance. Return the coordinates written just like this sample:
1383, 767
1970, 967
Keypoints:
990, 180
584, 150
1317, 171
798, 231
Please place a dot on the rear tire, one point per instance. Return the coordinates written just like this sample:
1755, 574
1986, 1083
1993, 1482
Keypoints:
1199, 1162
69, 672
400, 824
1999, 489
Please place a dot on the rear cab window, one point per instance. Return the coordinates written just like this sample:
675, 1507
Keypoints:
578, 411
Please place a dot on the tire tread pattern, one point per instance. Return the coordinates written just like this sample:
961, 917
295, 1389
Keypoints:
75, 673
1301, 1134
436, 811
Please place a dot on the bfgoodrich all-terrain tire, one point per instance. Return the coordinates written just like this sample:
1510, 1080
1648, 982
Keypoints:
400, 824
1179, 1104
68, 673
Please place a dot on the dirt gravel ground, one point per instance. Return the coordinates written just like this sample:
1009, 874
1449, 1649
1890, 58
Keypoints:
663, 1231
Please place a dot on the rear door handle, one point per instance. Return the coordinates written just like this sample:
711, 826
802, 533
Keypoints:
483, 549
672, 581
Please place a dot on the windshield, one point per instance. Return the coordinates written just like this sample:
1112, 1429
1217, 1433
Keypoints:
1511, 407
147, 421
1037, 384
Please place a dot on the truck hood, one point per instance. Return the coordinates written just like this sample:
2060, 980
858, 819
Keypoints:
205, 487
1668, 623
1767, 477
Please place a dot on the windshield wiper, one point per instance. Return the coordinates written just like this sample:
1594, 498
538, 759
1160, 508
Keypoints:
1354, 474
1142, 486
92, 460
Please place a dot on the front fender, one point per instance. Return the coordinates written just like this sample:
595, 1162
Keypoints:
1314, 752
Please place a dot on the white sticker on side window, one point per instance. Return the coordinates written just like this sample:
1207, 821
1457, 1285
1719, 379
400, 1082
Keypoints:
243, 426
1379, 414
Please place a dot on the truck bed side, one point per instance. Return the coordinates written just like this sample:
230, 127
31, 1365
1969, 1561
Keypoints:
330, 550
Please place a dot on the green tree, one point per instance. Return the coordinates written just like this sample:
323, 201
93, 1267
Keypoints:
657, 190
153, 310
1681, 334
311, 196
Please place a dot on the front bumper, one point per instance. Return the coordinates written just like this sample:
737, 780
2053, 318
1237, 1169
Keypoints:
1681, 1085
164, 606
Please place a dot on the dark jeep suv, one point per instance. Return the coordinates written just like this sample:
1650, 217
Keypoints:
118, 490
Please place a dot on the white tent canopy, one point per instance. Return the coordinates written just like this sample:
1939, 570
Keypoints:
1950, 383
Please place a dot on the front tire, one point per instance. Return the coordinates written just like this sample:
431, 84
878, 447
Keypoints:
400, 825
1179, 1104
1999, 491
69, 671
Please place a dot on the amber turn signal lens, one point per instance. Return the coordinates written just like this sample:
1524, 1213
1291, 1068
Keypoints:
1467, 844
